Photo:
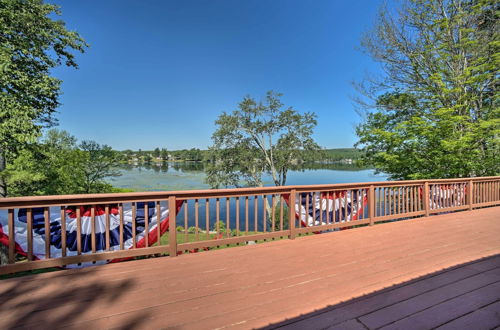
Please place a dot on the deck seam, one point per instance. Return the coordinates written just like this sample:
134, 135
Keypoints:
388, 290
456, 318
441, 302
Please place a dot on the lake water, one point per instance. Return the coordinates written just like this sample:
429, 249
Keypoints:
190, 176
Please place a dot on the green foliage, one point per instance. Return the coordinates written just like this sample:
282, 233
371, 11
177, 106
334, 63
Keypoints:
57, 165
259, 137
164, 154
32, 43
332, 155
98, 162
435, 112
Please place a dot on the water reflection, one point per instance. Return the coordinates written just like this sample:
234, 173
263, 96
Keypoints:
166, 176
190, 167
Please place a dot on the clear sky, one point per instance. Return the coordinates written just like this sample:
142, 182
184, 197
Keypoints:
158, 73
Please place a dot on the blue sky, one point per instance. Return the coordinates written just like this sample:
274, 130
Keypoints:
158, 73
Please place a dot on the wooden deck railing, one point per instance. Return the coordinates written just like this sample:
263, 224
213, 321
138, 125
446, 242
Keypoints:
54, 231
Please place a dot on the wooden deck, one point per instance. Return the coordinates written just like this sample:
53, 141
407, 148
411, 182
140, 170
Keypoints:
416, 274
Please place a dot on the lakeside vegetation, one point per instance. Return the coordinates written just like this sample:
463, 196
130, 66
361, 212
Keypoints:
334, 155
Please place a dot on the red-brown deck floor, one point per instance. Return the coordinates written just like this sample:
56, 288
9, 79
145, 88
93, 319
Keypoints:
423, 273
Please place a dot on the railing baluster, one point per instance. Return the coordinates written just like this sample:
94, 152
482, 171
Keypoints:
172, 233
186, 208
108, 225
228, 224
29, 222
207, 219
307, 211
392, 201
78, 230
407, 199
120, 210
63, 231
426, 198
273, 210
449, 196
92, 229
134, 215
386, 201
196, 215
46, 218
158, 223
146, 224
455, 194
327, 208
217, 217
291, 213
282, 202
334, 207
313, 204
371, 204
264, 213
237, 216
12, 236
246, 215
411, 199
483, 192
255, 213
403, 199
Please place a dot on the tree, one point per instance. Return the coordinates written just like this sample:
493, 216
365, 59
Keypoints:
434, 113
32, 43
259, 137
99, 162
127, 154
156, 152
58, 166
164, 154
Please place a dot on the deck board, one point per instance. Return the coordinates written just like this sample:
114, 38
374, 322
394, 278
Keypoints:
442, 270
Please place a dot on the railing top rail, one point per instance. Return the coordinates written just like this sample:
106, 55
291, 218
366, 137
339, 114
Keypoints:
112, 198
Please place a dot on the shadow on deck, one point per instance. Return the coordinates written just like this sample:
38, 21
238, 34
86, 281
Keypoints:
50, 302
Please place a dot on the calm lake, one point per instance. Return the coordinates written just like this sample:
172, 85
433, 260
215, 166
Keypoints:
190, 176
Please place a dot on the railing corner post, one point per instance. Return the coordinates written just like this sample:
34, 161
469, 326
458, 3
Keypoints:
471, 194
371, 204
291, 214
426, 198
172, 233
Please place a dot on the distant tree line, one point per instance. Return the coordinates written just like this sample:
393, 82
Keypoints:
199, 155
148, 156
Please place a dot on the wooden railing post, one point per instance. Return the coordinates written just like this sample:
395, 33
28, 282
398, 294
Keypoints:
291, 214
371, 204
172, 234
471, 194
426, 198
